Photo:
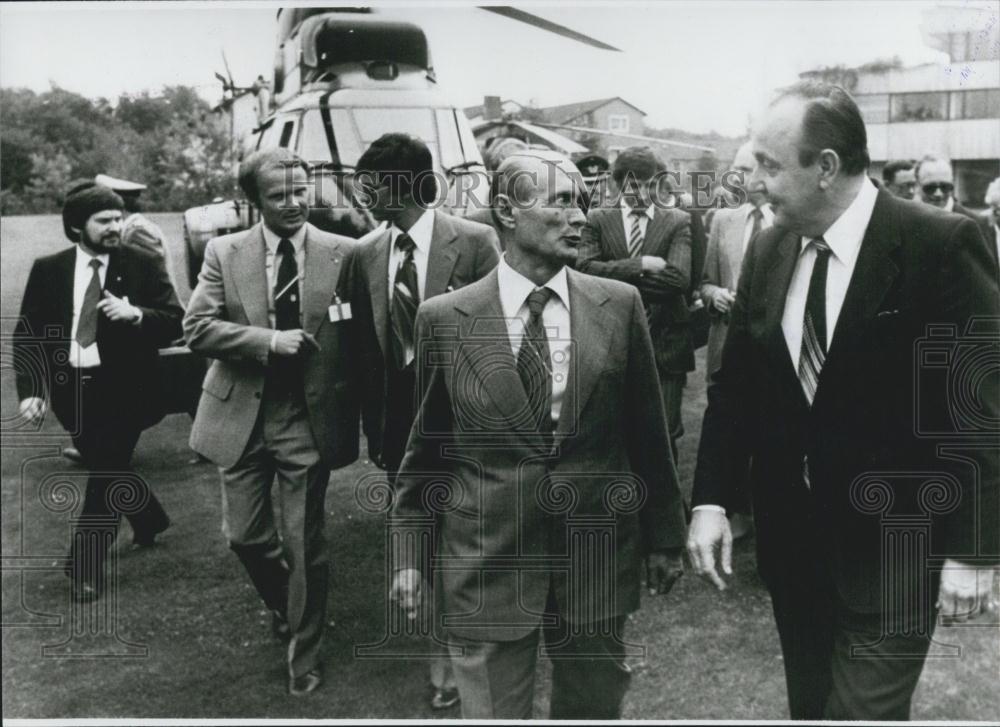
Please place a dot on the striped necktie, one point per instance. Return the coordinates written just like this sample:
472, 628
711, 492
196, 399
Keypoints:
813, 352
636, 237
533, 362
405, 300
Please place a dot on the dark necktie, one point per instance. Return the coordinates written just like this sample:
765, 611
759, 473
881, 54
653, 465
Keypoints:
533, 362
405, 300
286, 289
813, 352
635, 239
758, 219
86, 327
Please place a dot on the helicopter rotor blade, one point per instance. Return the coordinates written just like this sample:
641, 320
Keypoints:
225, 61
547, 25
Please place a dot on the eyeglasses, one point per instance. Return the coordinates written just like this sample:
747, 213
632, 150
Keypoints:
934, 187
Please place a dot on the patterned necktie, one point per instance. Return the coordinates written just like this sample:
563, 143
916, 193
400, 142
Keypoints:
758, 219
405, 300
533, 362
813, 352
86, 328
635, 238
286, 289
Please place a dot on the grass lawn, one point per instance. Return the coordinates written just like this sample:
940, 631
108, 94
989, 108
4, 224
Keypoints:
206, 649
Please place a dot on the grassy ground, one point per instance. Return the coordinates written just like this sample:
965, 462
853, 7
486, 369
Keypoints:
209, 652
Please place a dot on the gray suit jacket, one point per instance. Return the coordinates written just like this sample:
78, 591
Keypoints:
722, 270
461, 253
227, 320
508, 512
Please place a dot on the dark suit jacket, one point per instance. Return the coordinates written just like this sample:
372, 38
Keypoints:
227, 320
871, 433
128, 351
989, 231
508, 513
461, 252
604, 252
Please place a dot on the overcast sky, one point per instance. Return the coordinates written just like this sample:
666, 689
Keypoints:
692, 65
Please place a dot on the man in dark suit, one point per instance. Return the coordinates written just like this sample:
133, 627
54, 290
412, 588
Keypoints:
92, 318
280, 400
416, 254
818, 391
649, 246
937, 186
539, 463
991, 224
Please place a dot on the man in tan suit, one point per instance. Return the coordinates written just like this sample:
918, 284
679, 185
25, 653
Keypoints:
732, 230
539, 462
280, 399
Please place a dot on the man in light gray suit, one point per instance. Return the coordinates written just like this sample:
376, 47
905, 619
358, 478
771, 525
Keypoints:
732, 230
280, 400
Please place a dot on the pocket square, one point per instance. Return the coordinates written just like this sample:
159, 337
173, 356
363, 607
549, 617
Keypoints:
884, 313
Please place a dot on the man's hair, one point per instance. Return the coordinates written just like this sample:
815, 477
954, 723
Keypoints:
520, 171
405, 163
890, 169
260, 161
926, 158
638, 162
993, 193
831, 121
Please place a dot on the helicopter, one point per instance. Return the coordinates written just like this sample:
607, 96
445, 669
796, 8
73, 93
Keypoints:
342, 77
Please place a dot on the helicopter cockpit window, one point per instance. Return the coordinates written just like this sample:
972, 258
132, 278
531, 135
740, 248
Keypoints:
313, 145
286, 134
419, 122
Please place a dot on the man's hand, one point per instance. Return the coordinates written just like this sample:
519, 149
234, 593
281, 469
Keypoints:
653, 264
663, 569
293, 342
408, 591
709, 530
723, 299
32, 409
965, 591
117, 309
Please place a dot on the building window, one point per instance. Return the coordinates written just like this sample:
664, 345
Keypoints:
618, 123
918, 106
979, 104
874, 108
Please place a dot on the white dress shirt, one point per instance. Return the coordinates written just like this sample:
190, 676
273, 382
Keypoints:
272, 262
844, 237
421, 233
766, 220
644, 217
514, 292
82, 273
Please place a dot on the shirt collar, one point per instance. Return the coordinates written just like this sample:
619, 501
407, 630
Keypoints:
421, 232
949, 206
271, 239
83, 259
765, 210
844, 236
515, 288
649, 211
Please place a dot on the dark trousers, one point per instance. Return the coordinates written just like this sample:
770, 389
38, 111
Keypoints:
400, 410
672, 392
106, 439
843, 665
496, 679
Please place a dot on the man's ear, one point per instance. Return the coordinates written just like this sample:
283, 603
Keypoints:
503, 211
829, 167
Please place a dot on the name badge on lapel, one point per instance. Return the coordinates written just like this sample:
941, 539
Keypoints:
339, 311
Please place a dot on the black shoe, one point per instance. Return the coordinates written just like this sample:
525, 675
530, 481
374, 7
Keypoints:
301, 685
148, 540
445, 698
72, 454
84, 592
279, 626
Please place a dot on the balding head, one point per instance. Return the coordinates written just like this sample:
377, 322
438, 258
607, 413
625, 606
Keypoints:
936, 180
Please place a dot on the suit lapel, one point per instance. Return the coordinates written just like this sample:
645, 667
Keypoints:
249, 276
441, 258
781, 265
377, 273
493, 362
615, 229
733, 241
67, 280
590, 325
322, 274
874, 273
654, 232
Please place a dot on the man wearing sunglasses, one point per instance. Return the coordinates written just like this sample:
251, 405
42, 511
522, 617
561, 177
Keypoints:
937, 185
